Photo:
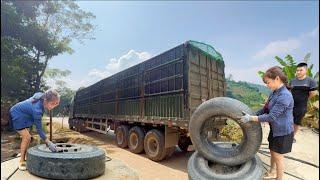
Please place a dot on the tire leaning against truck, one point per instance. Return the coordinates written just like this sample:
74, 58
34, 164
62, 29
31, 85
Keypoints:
226, 107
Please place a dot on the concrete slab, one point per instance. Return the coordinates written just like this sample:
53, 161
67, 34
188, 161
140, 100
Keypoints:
115, 170
8, 167
305, 149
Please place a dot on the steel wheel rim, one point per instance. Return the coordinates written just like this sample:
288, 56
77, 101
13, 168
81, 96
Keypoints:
134, 140
153, 146
120, 137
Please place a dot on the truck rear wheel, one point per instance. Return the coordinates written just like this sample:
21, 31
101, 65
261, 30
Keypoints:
80, 126
122, 132
136, 139
232, 109
71, 124
154, 145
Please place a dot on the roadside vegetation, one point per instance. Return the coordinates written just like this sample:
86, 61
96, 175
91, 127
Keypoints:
32, 33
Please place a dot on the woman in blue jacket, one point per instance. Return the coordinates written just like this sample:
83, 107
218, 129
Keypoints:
278, 111
29, 112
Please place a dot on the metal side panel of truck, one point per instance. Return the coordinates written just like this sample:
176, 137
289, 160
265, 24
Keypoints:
160, 93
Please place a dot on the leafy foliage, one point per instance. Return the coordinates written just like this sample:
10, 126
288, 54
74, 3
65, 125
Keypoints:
231, 132
54, 73
66, 95
32, 32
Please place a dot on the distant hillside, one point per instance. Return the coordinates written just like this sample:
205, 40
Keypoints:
251, 94
263, 89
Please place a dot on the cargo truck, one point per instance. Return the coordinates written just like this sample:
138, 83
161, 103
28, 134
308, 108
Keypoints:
149, 105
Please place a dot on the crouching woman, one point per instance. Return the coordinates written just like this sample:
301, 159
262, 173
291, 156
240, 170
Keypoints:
29, 112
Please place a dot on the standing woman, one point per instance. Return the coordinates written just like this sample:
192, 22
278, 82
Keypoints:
278, 112
29, 112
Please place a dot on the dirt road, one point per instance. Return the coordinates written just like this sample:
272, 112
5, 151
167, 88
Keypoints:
173, 168
306, 149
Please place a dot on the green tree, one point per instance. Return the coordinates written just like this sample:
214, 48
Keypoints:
65, 21
16, 61
288, 64
32, 32
66, 94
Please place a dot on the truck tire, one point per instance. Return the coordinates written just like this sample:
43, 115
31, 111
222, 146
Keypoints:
184, 143
136, 139
84, 163
71, 127
154, 145
231, 108
122, 133
198, 168
70, 122
81, 127
76, 124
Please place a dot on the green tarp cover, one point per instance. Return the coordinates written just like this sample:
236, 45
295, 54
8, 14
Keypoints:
207, 49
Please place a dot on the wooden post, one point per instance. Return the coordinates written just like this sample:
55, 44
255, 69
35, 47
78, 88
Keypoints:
50, 112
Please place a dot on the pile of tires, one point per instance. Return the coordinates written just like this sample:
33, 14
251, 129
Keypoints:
224, 160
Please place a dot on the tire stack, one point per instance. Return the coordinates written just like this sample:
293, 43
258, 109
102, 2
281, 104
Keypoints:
224, 160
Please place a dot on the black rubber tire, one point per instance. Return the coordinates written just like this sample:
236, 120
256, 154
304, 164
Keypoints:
232, 108
155, 137
122, 133
137, 134
184, 143
71, 127
76, 125
71, 124
86, 163
198, 168
81, 127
